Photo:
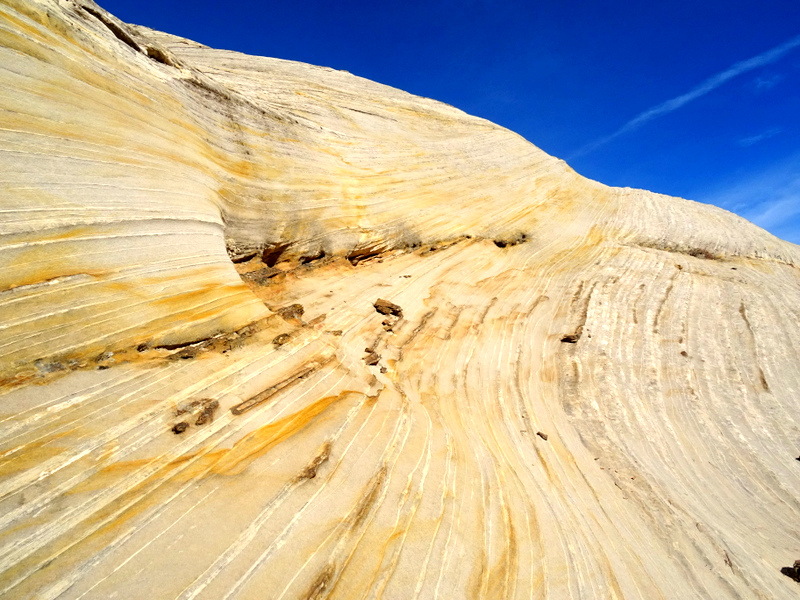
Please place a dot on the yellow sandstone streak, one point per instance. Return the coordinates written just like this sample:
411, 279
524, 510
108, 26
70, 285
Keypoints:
569, 391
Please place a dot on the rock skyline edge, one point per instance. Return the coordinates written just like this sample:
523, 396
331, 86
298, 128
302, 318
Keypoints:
275, 330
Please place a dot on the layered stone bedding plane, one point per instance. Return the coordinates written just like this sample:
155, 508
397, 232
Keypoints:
271, 330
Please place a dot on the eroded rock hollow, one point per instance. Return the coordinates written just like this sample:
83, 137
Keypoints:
271, 330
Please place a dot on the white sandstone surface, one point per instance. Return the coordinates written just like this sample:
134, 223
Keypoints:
172, 426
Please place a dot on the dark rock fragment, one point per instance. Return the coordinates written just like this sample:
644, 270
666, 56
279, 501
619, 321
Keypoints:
520, 238
388, 308
261, 276
207, 413
293, 311
792, 572
542, 435
180, 427
281, 339
187, 353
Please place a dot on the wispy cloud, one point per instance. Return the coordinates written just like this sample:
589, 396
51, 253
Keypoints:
770, 198
777, 214
767, 82
759, 137
710, 84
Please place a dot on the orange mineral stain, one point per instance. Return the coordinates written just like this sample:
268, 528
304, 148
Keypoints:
227, 462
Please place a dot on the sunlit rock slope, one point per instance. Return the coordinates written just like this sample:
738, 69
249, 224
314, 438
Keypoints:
566, 391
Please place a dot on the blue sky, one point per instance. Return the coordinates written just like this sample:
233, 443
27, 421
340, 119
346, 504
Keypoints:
693, 98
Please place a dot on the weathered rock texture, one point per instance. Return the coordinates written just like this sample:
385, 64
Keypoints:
568, 391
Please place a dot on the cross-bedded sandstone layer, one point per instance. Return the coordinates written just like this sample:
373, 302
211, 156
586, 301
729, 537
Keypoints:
272, 330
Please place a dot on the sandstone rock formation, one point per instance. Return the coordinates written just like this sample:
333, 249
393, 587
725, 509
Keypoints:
566, 391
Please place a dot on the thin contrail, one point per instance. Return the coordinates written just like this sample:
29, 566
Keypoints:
704, 88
